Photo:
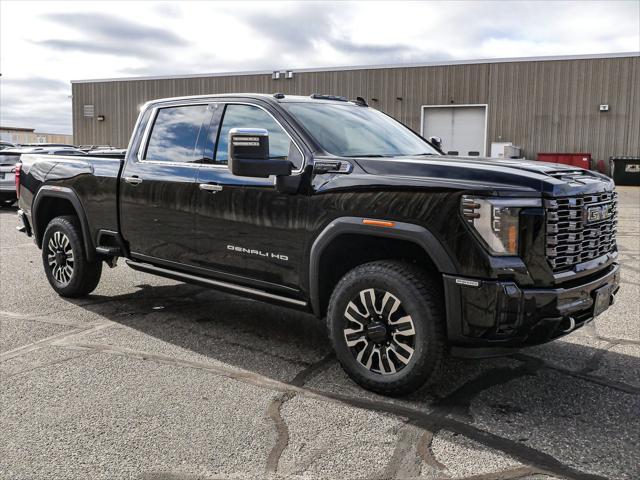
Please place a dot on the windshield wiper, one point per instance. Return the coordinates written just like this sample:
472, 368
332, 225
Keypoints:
378, 155
369, 155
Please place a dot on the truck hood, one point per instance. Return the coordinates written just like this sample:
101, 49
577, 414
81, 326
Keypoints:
489, 174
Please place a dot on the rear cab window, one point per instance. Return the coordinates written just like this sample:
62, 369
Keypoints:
175, 134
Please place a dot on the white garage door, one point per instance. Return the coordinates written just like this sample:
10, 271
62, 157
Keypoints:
461, 128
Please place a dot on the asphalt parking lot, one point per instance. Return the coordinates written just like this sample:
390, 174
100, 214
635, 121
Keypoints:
152, 379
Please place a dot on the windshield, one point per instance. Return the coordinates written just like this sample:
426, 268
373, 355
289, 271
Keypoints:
354, 131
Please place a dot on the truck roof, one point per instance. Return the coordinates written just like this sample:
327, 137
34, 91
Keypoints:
269, 97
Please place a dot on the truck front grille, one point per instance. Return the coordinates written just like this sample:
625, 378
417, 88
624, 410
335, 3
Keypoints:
573, 236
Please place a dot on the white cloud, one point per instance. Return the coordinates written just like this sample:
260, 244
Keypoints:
45, 43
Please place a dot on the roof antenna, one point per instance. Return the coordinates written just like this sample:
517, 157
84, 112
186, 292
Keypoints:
361, 101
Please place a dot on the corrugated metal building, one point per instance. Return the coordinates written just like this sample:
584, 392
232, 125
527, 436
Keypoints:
587, 103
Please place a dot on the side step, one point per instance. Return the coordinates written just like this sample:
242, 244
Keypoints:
218, 284
109, 251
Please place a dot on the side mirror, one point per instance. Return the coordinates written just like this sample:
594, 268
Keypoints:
436, 141
249, 154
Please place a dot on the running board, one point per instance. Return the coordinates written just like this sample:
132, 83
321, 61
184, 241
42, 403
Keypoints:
232, 287
109, 251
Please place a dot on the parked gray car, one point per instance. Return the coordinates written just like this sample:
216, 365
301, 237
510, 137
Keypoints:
7, 178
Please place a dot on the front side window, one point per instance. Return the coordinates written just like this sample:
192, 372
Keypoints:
351, 131
249, 116
174, 136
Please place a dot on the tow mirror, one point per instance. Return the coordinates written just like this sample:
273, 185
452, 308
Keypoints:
437, 142
249, 154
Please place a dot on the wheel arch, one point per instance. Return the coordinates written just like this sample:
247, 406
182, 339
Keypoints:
61, 201
416, 237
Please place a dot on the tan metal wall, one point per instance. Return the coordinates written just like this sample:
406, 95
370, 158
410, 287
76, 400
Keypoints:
24, 136
542, 106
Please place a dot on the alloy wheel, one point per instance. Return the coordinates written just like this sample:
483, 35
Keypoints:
60, 258
379, 332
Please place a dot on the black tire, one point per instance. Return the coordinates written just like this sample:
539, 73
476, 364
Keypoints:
398, 372
65, 260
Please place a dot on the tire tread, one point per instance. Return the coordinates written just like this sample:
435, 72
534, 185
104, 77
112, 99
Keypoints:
89, 273
430, 291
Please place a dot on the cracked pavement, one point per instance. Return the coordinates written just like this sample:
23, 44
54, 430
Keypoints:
152, 379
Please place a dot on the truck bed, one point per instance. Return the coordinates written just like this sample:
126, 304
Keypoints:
93, 179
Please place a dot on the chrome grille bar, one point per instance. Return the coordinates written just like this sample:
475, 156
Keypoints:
569, 239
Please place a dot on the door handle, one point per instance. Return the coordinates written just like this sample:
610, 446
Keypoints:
135, 180
210, 187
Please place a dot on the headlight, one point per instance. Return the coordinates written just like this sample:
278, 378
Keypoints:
496, 221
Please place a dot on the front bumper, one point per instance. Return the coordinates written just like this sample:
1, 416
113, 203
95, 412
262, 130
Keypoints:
497, 316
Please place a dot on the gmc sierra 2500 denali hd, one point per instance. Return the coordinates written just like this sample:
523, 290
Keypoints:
330, 206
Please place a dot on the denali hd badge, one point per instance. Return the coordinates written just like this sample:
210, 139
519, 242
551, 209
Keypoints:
260, 253
598, 213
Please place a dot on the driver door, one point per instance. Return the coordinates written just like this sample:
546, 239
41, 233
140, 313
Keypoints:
247, 231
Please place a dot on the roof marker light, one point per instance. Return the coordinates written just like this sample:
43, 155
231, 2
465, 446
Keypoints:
378, 223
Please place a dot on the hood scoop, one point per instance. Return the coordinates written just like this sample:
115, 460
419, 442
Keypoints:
576, 177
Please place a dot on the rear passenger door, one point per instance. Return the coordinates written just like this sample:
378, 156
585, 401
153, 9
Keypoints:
158, 189
249, 232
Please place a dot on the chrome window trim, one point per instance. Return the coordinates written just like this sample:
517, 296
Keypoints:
152, 119
170, 164
133, 135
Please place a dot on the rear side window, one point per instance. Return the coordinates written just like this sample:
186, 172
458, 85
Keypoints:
175, 132
249, 116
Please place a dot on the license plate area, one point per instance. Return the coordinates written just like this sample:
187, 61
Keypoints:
601, 300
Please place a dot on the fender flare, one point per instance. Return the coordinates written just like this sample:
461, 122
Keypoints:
52, 191
401, 231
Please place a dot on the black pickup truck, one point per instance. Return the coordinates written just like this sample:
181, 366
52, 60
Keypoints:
329, 206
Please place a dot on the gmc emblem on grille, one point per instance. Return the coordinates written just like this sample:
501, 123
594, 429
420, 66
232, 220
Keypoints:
598, 213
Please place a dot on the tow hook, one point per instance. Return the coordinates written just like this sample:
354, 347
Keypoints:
111, 261
572, 325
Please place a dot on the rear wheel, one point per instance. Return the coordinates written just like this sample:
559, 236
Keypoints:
386, 323
65, 261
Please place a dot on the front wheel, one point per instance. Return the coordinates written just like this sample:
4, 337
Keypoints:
386, 323
65, 260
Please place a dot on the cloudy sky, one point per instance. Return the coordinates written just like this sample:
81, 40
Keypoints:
44, 45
